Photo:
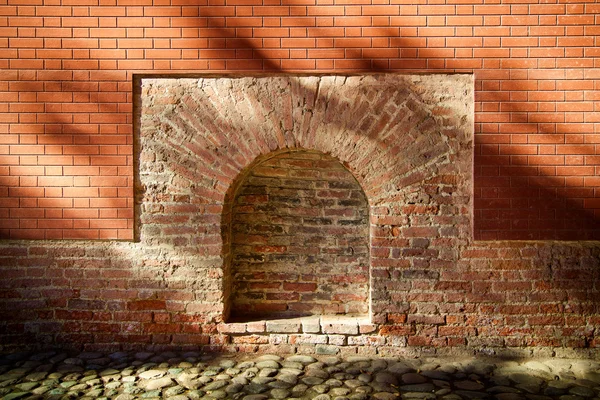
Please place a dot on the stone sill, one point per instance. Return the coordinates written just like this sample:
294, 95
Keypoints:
316, 324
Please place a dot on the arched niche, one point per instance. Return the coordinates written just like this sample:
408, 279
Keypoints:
299, 239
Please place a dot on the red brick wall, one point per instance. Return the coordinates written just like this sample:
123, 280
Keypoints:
300, 239
67, 160
67, 69
432, 287
103, 297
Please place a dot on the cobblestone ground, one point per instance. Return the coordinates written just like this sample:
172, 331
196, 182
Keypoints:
191, 375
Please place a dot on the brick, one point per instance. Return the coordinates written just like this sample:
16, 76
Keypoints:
308, 339
511, 112
369, 341
311, 325
324, 349
141, 305
282, 327
256, 327
232, 328
344, 329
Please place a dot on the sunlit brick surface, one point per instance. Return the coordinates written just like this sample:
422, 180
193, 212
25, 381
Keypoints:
69, 78
66, 95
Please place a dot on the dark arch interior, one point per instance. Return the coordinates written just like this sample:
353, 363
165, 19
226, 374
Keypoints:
299, 239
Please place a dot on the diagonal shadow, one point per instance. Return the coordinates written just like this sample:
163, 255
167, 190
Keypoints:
63, 203
583, 221
528, 203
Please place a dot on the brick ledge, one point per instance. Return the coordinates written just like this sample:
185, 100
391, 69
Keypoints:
317, 324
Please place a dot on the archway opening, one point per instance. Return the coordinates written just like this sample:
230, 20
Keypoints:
299, 235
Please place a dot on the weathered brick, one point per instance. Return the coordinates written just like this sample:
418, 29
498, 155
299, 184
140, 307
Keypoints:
311, 325
369, 341
396, 341
232, 328
337, 340
283, 327
141, 305
308, 339
250, 339
419, 184
278, 339
341, 328
364, 328
426, 319
256, 327
325, 349
271, 226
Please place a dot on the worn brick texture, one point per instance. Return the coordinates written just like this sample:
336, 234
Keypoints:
407, 141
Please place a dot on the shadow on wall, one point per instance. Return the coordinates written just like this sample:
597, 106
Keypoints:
207, 131
517, 197
42, 290
299, 238
108, 296
521, 195
65, 185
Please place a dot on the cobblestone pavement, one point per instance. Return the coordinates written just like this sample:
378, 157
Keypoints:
191, 375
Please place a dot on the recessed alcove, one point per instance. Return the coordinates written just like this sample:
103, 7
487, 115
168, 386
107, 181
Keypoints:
299, 239
226, 166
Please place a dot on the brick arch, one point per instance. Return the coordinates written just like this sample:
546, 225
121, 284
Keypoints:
299, 238
386, 129
407, 139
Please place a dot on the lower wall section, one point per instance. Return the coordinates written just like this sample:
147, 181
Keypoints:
108, 296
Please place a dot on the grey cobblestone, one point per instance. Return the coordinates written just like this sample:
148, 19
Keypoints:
145, 375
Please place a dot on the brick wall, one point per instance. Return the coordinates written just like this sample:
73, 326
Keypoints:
66, 96
69, 75
539, 298
300, 239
